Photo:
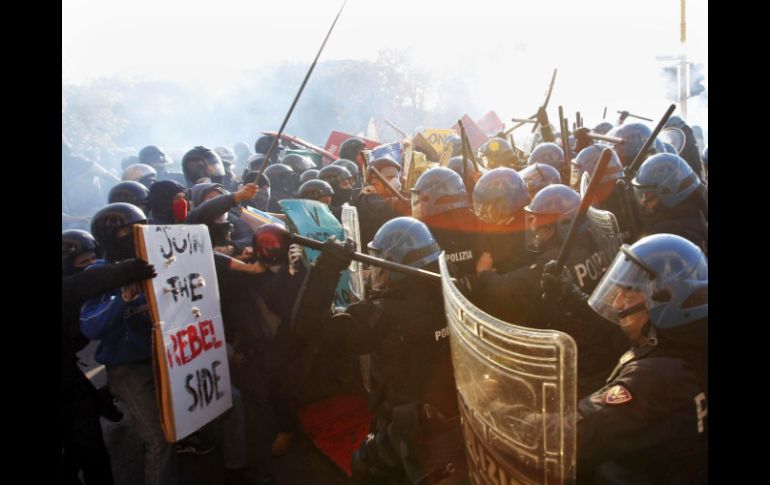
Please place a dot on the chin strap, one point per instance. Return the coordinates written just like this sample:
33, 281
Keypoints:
651, 333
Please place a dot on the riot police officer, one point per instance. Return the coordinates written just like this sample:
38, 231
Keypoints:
672, 199
440, 201
649, 422
416, 430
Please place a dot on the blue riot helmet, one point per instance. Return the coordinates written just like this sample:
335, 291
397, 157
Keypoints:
130, 192
403, 240
75, 243
586, 161
548, 153
663, 274
308, 175
438, 190
603, 128
548, 217
666, 177
669, 148
140, 172
499, 196
539, 175
633, 135
498, 153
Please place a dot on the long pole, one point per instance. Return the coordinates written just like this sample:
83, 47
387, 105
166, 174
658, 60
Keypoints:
299, 93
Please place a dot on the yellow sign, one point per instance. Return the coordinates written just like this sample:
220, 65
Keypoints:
437, 137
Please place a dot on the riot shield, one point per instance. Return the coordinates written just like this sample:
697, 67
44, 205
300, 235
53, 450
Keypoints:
604, 229
517, 390
352, 231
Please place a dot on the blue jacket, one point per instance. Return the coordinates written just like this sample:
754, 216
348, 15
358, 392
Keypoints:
124, 329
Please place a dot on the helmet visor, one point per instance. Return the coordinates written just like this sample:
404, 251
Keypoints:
625, 289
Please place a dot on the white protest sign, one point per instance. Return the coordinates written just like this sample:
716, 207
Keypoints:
190, 356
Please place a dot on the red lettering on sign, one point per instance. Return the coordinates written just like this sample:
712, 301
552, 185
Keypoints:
198, 337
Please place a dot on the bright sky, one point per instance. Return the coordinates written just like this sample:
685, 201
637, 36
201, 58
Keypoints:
605, 50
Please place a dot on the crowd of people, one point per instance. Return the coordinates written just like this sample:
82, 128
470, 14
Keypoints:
637, 309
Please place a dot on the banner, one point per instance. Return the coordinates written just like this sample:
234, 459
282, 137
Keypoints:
490, 124
190, 358
476, 135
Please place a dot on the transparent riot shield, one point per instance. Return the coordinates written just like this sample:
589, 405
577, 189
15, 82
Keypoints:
517, 390
352, 231
350, 225
604, 229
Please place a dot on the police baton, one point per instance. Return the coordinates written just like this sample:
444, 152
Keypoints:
626, 114
580, 215
566, 170
611, 139
388, 186
631, 169
371, 260
299, 93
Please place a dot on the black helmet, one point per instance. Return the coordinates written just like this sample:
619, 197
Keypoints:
106, 223
74, 243
251, 177
153, 155
308, 175
351, 167
335, 175
280, 175
314, 190
202, 162
297, 162
254, 163
130, 192
351, 147
262, 145
341, 181
140, 172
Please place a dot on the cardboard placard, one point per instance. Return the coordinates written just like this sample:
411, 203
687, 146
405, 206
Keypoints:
337, 138
476, 135
437, 137
490, 123
314, 220
190, 355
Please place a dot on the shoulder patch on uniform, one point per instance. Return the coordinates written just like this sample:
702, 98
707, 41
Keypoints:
617, 394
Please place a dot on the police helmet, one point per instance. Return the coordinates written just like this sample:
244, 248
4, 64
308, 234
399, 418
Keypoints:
438, 190
547, 153
634, 136
499, 196
549, 215
665, 176
403, 240
539, 175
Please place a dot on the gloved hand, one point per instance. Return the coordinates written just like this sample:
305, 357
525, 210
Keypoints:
560, 288
137, 270
336, 256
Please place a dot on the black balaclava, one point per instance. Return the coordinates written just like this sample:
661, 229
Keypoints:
160, 200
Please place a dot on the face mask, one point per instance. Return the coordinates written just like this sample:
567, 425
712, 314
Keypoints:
123, 248
179, 210
341, 196
396, 183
